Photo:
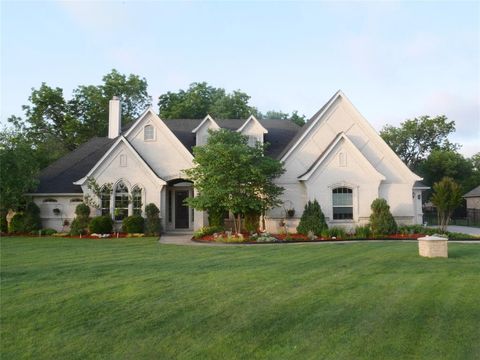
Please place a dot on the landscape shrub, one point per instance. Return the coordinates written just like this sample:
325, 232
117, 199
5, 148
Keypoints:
363, 232
101, 225
31, 221
216, 217
381, 219
206, 230
263, 237
153, 225
48, 232
80, 223
337, 232
3, 221
17, 224
133, 224
312, 219
252, 222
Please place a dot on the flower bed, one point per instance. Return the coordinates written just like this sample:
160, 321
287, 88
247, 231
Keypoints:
293, 238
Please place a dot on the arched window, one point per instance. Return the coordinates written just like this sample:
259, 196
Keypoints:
105, 200
148, 133
50, 200
342, 200
121, 201
76, 200
137, 200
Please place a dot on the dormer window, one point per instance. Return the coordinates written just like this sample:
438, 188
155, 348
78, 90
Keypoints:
148, 133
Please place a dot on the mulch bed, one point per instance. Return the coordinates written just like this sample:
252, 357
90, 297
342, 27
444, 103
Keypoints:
295, 238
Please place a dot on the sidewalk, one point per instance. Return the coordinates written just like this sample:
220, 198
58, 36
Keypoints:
462, 229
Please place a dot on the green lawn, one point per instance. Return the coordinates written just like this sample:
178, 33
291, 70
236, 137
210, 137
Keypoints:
137, 299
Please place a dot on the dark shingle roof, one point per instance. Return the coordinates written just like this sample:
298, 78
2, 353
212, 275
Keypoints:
473, 193
60, 176
419, 184
280, 132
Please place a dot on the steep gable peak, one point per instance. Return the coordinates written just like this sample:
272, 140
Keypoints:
254, 119
206, 119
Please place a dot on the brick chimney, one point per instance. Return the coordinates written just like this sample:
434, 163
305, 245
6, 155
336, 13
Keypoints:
114, 117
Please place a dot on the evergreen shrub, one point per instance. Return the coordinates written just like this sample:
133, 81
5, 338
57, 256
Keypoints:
381, 219
312, 219
101, 225
153, 225
133, 224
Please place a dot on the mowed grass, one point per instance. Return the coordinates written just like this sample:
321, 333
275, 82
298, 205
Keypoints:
138, 299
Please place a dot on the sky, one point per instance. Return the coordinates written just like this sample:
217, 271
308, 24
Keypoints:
393, 60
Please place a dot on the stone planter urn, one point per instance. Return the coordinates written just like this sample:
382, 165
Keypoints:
433, 246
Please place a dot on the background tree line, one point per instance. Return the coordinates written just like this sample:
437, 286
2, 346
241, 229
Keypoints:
53, 126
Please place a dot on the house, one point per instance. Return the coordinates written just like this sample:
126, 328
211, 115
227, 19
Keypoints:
473, 205
336, 157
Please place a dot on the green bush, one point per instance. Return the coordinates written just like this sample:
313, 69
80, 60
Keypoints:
17, 224
252, 222
206, 230
363, 232
153, 225
3, 221
80, 223
82, 210
79, 226
216, 217
337, 232
133, 224
381, 219
32, 220
101, 225
312, 219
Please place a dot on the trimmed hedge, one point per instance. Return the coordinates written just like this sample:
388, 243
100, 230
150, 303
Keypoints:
101, 225
134, 224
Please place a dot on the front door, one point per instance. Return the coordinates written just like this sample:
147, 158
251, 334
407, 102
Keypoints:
181, 210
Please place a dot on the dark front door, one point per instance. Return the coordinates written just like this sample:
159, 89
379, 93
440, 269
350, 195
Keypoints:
181, 210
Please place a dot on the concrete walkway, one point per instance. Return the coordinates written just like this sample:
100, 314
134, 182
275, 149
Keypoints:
174, 238
464, 230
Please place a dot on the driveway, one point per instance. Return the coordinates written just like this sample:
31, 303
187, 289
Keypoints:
463, 229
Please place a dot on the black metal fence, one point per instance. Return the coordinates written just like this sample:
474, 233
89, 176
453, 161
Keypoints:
470, 217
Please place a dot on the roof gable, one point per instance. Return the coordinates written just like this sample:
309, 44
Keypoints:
252, 119
341, 138
374, 147
207, 119
120, 140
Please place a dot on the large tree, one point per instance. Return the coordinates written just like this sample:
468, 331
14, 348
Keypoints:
18, 170
201, 99
58, 125
230, 175
449, 163
416, 138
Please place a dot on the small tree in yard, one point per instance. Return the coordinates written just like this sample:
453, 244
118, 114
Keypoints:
232, 176
381, 219
312, 219
447, 195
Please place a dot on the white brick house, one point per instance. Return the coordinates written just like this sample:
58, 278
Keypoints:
336, 158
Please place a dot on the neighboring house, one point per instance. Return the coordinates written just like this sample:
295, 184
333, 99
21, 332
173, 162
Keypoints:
473, 204
336, 157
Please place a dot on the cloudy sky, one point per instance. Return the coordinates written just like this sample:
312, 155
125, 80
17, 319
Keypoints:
393, 60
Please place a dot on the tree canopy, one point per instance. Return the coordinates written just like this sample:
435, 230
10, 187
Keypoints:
416, 138
232, 176
201, 99
54, 125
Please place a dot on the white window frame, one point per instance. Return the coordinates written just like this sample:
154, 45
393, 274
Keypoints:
149, 126
352, 206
